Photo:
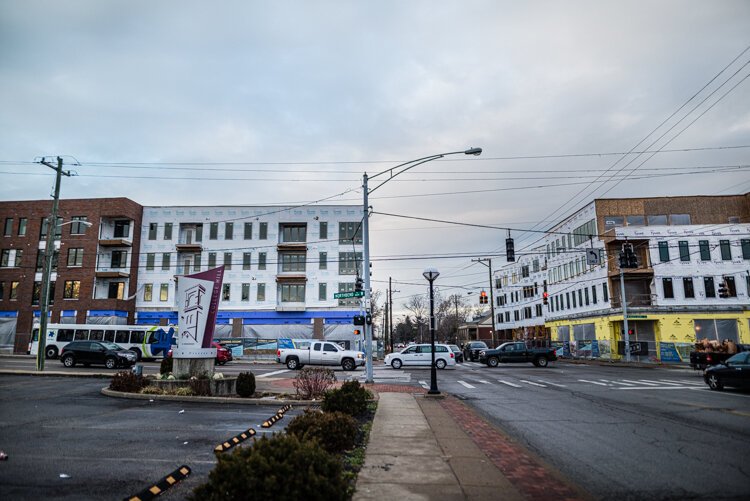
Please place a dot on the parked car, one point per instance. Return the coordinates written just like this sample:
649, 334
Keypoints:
699, 360
457, 352
472, 349
421, 354
320, 353
517, 352
734, 371
104, 353
223, 355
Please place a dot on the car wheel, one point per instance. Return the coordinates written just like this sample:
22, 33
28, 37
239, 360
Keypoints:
68, 361
714, 382
51, 352
541, 362
347, 364
492, 361
292, 364
440, 363
110, 363
137, 354
396, 363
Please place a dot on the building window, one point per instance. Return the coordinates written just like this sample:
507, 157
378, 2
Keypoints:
248, 231
119, 258
165, 261
164, 292
261, 295
349, 263
347, 287
605, 292
593, 294
575, 305
293, 232
152, 231
212, 260
122, 229
75, 257
684, 250
709, 287
72, 289
664, 252
245, 292
227, 260
687, 285
586, 295
745, 244
213, 231
679, 219
77, 227
323, 261
228, 231
19, 258
524, 271
22, 222
167, 231
148, 292
225, 291
261, 260
116, 290
323, 230
704, 250
36, 291
613, 222
246, 260
567, 299
292, 262
657, 220
40, 260
350, 231
263, 231
13, 291
726, 251
2, 290
150, 260
293, 293
322, 292
197, 262
8, 227
731, 286
5, 258
668, 290
635, 220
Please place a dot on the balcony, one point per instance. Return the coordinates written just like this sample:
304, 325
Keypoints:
184, 246
115, 242
109, 272
291, 246
116, 232
190, 237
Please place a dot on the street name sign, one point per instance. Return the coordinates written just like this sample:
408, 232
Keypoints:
347, 295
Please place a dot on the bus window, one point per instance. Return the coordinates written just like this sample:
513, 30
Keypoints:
35, 336
65, 335
122, 337
136, 337
81, 334
109, 336
96, 335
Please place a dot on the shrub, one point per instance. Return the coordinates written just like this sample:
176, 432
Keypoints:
280, 467
152, 390
200, 386
166, 365
351, 398
182, 391
335, 431
246, 384
128, 382
312, 382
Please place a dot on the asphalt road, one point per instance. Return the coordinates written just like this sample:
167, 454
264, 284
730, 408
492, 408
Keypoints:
108, 448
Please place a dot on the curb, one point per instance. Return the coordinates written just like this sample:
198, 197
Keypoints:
221, 400
13, 372
632, 365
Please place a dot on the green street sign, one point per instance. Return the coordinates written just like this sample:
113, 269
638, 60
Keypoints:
347, 295
637, 316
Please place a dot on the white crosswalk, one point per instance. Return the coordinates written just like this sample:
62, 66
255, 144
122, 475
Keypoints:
624, 384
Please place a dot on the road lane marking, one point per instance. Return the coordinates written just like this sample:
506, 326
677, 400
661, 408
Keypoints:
272, 373
424, 385
659, 382
683, 382
482, 381
593, 382
640, 382
617, 382
466, 384
660, 388
553, 384
509, 383
532, 383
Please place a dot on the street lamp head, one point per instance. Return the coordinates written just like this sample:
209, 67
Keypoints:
431, 273
473, 151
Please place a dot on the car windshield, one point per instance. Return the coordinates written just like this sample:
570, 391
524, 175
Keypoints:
739, 358
478, 345
112, 346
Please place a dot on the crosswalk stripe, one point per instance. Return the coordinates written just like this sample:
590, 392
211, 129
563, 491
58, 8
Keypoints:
640, 382
618, 382
695, 383
267, 374
532, 383
424, 385
482, 381
659, 382
466, 384
553, 384
592, 382
509, 383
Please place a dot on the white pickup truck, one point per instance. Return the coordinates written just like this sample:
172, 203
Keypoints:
320, 353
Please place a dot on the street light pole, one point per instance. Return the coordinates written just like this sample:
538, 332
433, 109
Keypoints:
431, 274
366, 234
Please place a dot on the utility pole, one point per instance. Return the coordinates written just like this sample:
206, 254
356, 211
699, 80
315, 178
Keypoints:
49, 252
488, 264
385, 326
625, 315
390, 311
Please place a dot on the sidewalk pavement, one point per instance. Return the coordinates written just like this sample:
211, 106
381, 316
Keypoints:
437, 448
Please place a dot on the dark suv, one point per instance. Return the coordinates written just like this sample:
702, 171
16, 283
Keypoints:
472, 349
96, 352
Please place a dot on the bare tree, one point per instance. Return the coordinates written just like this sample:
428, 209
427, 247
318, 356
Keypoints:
452, 312
420, 309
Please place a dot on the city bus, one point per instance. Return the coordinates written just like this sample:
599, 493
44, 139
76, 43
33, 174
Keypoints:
147, 341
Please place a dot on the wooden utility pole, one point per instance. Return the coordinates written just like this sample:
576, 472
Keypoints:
488, 264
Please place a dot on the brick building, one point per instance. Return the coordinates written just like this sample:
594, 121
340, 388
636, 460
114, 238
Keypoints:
95, 267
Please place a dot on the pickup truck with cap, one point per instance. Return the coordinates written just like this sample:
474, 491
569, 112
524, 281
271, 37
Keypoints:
517, 352
320, 353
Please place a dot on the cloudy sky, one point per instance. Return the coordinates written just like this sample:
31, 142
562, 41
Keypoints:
291, 101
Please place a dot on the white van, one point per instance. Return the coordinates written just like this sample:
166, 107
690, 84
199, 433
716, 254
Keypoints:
421, 355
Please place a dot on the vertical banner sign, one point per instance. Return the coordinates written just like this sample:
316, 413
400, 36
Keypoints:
197, 305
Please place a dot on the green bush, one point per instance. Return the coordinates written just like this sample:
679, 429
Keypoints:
281, 468
351, 399
128, 382
166, 365
152, 390
183, 391
246, 384
335, 431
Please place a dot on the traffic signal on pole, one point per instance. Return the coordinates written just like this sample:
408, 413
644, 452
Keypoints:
723, 290
359, 320
368, 319
483, 297
628, 258
545, 297
357, 332
358, 284
510, 253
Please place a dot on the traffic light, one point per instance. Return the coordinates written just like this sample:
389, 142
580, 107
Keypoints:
359, 320
357, 332
358, 284
368, 319
545, 297
483, 298
510, 253
628, 258
723, 290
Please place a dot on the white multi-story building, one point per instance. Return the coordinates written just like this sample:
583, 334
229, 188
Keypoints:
282, 266
685, 247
